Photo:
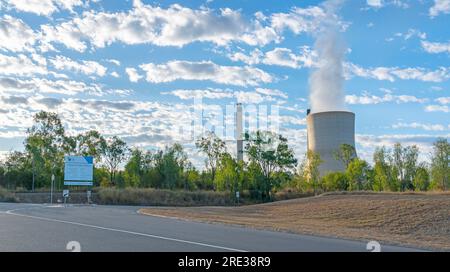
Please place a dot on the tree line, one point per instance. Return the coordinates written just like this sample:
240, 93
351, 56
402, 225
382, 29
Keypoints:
396, 169
270, 165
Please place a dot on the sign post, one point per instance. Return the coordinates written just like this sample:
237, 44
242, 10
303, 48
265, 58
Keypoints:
65, 195
79, 171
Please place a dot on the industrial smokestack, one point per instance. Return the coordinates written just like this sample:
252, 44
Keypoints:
239, 136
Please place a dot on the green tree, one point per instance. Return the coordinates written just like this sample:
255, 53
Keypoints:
421, 180
272, 153
358, 173
17, 170
229, 174
384, 177
213, 147
47, 143
114, 152
193, 178
345, 154
410, 157
335, 181
170, 165
256, 181
310, 169
440, 170
134, 169
90, 143
404, 163
34, 147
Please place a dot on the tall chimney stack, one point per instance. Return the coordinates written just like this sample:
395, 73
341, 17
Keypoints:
239, 138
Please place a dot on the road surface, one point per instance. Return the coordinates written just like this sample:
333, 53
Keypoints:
36, 227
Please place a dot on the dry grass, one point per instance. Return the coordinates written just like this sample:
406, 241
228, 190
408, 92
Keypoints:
158, 197
419, 220
6, 196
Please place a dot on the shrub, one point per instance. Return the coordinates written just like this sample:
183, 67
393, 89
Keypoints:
156, 197
6, 196
335, 181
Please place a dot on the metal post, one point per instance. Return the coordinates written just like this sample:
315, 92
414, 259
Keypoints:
51, 189
34, 170
88, 194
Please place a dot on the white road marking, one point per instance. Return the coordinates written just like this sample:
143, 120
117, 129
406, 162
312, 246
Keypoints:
11, 212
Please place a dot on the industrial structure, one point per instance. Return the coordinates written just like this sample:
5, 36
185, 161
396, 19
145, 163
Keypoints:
326, 131
239, 136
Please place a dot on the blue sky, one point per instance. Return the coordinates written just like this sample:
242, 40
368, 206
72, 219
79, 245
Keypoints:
133, 68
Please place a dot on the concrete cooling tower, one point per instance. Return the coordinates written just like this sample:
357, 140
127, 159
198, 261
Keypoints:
326, 132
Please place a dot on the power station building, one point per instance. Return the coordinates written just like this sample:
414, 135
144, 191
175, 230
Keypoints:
326, 131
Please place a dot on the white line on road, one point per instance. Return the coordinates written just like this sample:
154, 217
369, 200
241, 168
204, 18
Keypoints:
10, 212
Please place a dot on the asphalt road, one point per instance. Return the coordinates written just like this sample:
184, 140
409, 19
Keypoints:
28, 227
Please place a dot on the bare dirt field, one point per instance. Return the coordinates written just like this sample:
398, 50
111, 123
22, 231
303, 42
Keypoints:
418, 220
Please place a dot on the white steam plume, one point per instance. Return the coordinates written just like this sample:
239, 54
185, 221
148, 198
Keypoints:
327, 81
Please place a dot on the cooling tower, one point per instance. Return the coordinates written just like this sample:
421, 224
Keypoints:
326, 132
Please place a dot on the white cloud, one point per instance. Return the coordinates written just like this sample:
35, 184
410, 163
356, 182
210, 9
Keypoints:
412, 32
253, 58
86, 67
367, 99
114, 61
382, 3
437, 108
114, 74
205, 70
285, 57
300, 20
278, 56
440, 6
65, 33
393, 73
443, 100
435, 47
178, 25
174, 26
140, 123
272, 92
42, 7
10, 85
133, 75
208, 93
416, 125
20, 65
294, 120
251, 97
15, 35
375, 3
247, 97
